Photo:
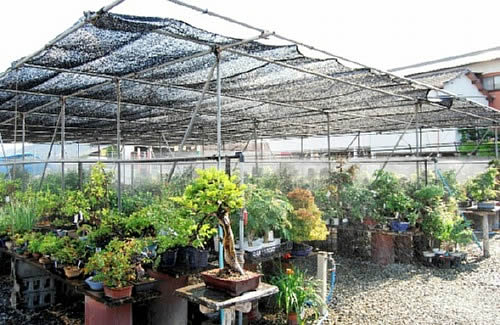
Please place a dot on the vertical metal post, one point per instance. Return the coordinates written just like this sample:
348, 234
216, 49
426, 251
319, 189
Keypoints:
439, 143
1, 144
132, 175
261, 149
118, 144
359, 144
80, 176
426, 173
496, 142
328, 139
301, 147
23, 137
321, 275
219, 113
416, 141
63, 140
255, 148
203, 148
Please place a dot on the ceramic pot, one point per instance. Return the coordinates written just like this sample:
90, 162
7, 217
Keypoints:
94, 285
118, 293
72, 272
233, 287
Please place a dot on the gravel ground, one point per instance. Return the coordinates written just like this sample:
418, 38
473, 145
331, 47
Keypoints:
365, 293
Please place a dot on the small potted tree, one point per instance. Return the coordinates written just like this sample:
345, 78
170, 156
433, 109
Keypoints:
306, 221
211, 198
70, 256
114, 266
482, 189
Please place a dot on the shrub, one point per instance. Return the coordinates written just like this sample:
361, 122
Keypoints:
306, 217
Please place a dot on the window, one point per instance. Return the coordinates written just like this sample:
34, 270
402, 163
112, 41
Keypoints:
491, 83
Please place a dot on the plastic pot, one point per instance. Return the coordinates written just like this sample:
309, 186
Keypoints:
94, 285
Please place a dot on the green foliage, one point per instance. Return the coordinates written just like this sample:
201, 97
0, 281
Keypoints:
74, 202
296, 291
306, 217
267, 210
483, 186
19, 216
97, 190
34, 242
50, 244
8, 188
70, 252
210, 196
458, 191
358, 202
114, 266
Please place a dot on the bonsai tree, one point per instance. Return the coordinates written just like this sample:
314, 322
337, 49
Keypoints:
213, 195
115, 266
483, 187
50, 244
306, 217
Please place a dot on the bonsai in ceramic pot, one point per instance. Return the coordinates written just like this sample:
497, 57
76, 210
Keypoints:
211, 198
70, 256
114, 267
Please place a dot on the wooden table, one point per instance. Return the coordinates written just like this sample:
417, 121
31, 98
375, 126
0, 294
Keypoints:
486, 225
213, 300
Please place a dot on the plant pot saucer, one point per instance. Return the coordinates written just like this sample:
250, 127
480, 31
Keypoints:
234, 285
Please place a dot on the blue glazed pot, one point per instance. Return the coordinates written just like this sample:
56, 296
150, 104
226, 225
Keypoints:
96, 286
399, 226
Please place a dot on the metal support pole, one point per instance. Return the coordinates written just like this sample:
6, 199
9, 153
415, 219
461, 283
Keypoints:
132, 175
23, 138
203, 148
301, 147
1, 143
496, 142
321, 275
328, 139
261, 149
63, 140
255, 148
119, 185
359, 144
439, 143
80, 176
195, 112
118, 145
425, 173
417, 106
219, 113
50, 151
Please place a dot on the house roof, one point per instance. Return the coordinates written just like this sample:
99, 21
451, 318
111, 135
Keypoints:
153, 71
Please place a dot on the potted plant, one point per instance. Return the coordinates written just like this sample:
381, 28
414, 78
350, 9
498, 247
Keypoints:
114, 266
211, 198
296, 293
70, 256
306, 221
49, 245
34, 243
482, 189
267, 213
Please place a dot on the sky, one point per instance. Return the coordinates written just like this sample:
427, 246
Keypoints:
384, 33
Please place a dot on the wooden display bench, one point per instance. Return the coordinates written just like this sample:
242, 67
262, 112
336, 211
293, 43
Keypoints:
488, 219
211, 300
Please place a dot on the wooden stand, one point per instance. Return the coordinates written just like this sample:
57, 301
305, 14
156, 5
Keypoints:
211, 300
489, 221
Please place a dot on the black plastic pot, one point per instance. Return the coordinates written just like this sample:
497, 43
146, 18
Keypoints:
192, 257
300, 249
169, 258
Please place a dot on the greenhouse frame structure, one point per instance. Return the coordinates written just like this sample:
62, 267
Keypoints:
119, 79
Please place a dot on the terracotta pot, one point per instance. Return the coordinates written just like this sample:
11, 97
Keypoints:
233, 287
118, 293
369, 222
292, 319
72, 271
36, 255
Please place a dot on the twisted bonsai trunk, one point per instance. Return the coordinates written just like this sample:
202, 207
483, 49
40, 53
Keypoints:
228, 243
